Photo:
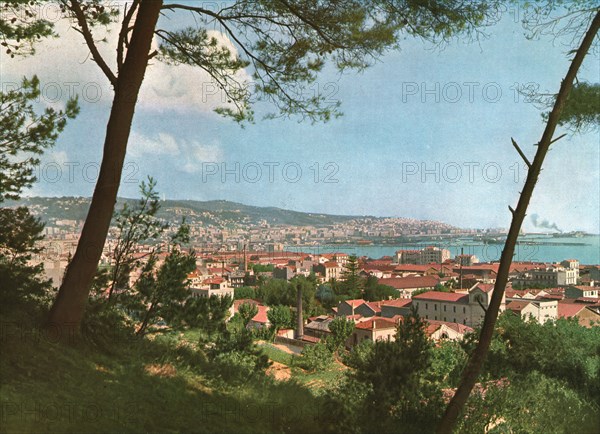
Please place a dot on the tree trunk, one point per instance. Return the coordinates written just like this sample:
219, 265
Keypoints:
69, 306
299, 314
476, 360
142, 328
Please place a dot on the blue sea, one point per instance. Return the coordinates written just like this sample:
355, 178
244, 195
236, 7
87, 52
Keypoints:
534, 248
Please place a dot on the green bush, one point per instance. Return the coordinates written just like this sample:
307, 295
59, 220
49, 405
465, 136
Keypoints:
236, 358
235, 367
533, 403
105, 324
359, 353
316, 357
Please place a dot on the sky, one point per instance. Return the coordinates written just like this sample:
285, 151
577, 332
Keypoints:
426, 133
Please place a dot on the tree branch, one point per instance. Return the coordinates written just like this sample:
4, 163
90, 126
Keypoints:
122, 43
312, 25
477, 358
89, 40
520, 152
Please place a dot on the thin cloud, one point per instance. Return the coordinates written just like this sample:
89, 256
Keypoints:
65, 68
190, 154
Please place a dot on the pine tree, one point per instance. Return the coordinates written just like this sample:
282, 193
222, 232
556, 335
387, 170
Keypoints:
24, 136
353, 283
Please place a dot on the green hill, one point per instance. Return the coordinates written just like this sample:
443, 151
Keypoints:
216, 212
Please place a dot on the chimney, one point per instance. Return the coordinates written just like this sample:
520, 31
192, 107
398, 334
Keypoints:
299, 319
461, 265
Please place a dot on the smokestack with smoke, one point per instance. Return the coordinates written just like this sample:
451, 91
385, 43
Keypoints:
543, 224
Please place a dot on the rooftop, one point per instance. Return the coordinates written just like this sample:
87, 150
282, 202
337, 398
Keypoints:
453, 297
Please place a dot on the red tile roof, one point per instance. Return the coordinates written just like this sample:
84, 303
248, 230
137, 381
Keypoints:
479, 267
432, 328
454, 297
555, 291
410, 282
380, 323
519, 267
460, 328
356, 302
378, 263
396, 318
550, 297
378, 267
485, 287
219, 270
398, 302
281, 261
520, 293
374, 305
569, 310
585, 288
517, 305
421, 268
261, 316
588, 300
238, 303
194, 274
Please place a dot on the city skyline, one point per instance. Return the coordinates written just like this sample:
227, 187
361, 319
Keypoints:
543, 226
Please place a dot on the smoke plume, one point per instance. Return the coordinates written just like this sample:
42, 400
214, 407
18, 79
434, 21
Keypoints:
544, 224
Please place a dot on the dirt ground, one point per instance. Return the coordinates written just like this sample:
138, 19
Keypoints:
288, 348
279, 371
167, 370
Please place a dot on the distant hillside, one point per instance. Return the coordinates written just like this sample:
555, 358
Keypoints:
236, 211
219, 212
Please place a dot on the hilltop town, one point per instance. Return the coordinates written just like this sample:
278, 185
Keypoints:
223, 225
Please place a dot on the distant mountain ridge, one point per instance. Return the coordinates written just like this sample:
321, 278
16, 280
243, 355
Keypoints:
215, 212
212, 211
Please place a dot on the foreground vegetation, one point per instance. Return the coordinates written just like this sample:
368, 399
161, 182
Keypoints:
173, 382
137, 385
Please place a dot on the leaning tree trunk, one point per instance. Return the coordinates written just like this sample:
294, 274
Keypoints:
476, 360
69, 306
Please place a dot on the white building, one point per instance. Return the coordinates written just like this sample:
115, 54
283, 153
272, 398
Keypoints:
425, 256
467, 308
549, 276
540, 310
213, 286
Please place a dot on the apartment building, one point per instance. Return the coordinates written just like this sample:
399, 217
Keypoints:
467, 308
428, 255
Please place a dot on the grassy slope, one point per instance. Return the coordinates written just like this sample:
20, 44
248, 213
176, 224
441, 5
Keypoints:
318, 381
136, 387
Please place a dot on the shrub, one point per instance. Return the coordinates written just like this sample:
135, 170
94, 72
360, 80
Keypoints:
316, 357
